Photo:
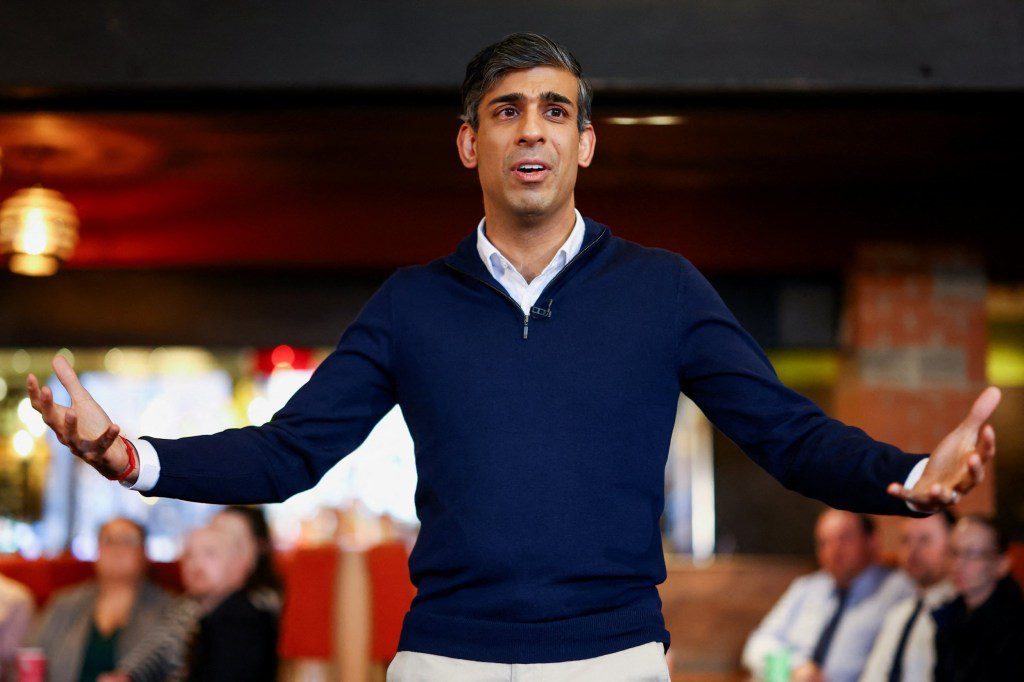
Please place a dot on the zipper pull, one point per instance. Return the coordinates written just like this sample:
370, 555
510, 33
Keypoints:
526, 324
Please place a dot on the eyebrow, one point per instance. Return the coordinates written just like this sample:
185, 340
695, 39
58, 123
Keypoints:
548, 96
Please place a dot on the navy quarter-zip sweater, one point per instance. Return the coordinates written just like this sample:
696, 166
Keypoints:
540, 441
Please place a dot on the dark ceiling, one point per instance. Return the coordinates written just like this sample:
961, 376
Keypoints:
371, 181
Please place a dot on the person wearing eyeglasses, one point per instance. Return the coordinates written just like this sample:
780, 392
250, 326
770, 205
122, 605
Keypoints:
904, 650
88, 628
980, 634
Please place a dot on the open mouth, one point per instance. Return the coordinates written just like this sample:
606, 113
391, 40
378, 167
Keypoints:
531, 172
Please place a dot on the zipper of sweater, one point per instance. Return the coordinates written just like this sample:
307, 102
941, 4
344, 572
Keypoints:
503, 294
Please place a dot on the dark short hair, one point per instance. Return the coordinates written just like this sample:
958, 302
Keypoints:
520, 51
999, 534
864, 522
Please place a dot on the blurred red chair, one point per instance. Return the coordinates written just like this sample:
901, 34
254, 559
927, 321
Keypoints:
391, 593
1017, 561
307, 625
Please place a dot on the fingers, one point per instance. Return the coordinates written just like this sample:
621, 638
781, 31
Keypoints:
106, 439
41, 399
934, 497
66, 375
983, 407
88, 449
987, 443
896, 490
974, 472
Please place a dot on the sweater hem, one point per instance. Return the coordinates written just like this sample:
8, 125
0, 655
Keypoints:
568, 639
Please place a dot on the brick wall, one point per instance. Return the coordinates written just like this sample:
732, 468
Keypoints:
914, 340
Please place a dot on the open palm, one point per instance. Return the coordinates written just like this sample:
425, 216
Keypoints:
83, 426
958, 462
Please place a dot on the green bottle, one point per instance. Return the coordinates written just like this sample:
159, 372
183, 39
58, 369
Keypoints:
776, 666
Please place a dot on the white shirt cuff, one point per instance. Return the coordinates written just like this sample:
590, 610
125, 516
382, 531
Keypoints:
149, 466
912, 478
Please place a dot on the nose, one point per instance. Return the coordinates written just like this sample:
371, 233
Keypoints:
531, 131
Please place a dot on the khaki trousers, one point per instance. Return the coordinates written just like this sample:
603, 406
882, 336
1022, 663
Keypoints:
643, 663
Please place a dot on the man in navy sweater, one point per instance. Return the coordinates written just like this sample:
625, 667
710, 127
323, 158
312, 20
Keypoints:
538, 368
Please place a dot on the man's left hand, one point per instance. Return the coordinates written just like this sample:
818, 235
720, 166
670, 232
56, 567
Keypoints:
958, 463
808, 672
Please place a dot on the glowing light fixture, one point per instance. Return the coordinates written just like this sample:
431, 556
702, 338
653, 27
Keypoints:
39, 229
23, 444
646, 120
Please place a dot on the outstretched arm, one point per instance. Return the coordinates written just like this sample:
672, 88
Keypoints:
722, 368
325, 420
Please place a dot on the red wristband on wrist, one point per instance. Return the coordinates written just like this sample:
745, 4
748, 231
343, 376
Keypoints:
132, 460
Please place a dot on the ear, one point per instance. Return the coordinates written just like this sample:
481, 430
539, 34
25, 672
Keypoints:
466, 144
1004, 566
588, 141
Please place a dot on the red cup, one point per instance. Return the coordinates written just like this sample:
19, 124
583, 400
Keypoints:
31, 665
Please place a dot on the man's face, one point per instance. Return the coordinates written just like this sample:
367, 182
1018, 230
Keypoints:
924, 549
977, 565
212, 564
843, 548
529, 116
121, 553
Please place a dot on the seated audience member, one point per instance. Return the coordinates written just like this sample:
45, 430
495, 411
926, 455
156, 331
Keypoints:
227, 637
162, 652
905, 648
827, 621
980, 634
17, 607
249, 524
86, 629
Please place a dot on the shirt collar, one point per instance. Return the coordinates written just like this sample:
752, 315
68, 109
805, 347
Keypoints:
496, 262
866, 582
939, 593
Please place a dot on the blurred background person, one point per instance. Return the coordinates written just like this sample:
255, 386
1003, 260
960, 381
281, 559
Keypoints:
163, 653
249, 525
905, 648
17, 607
980, 633
828, 620
86, 630
235, 639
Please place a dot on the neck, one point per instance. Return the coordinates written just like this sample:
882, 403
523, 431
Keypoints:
208, 602
845, 585
115, 589
529, 242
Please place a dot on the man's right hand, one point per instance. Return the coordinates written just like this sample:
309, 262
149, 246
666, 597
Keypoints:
84, 427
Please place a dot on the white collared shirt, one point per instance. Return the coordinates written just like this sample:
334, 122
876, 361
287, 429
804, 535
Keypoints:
797, 620
919, 651
523, 292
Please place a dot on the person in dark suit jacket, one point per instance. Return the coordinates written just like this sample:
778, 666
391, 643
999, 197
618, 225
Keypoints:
980, 634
